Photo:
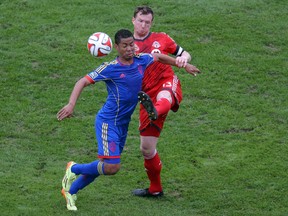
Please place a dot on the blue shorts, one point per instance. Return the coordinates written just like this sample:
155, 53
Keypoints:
111, 140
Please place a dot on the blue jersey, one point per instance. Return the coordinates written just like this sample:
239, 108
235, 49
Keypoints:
123, 82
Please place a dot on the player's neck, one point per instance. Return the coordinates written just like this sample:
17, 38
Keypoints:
140, 37
124, 61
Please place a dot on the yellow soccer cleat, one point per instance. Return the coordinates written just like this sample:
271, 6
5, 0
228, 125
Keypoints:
70, 200
69, 177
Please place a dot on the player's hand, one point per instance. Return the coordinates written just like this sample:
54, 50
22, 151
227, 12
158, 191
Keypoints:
65, 112
191, 69
181, 61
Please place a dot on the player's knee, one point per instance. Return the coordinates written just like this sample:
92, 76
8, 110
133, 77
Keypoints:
147, 152
111, 169
165, 94
148, 146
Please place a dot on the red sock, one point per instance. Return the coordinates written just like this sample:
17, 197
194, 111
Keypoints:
153, 168
162, 106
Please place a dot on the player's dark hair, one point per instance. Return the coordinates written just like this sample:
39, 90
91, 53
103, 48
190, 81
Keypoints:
145, 10
122, 33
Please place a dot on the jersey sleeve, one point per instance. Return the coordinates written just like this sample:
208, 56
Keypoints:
151, 59
172, 47
99, 74
147, 57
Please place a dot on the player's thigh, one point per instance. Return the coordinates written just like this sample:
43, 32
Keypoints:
111, 139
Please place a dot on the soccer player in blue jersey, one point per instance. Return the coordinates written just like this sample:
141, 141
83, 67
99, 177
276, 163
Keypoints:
123, 78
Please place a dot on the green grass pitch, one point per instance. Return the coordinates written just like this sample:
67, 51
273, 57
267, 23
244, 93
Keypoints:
224, 152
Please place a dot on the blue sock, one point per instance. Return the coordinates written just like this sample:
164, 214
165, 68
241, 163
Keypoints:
94, 168
81, 182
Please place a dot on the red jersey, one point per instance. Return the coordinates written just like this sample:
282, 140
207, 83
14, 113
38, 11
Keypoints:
157, 43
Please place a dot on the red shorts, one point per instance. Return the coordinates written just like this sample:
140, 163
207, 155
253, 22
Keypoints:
153, 128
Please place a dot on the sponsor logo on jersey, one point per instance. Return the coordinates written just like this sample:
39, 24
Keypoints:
155, 51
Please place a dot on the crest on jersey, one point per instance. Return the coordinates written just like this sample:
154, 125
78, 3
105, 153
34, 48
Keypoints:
156, 44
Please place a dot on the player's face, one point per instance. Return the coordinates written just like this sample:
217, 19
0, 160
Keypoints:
126, 48
142, 24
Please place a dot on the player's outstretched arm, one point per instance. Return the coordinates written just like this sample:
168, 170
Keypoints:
68, 109
191, 69
165, 59
181, 61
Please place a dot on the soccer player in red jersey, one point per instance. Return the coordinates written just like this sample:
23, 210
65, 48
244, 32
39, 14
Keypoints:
161, 87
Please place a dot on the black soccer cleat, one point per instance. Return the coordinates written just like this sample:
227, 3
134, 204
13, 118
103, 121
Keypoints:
147, 103
145, 193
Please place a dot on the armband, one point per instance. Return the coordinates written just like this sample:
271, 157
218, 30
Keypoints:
180, 51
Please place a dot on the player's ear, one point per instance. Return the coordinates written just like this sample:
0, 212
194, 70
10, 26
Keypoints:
115, 46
